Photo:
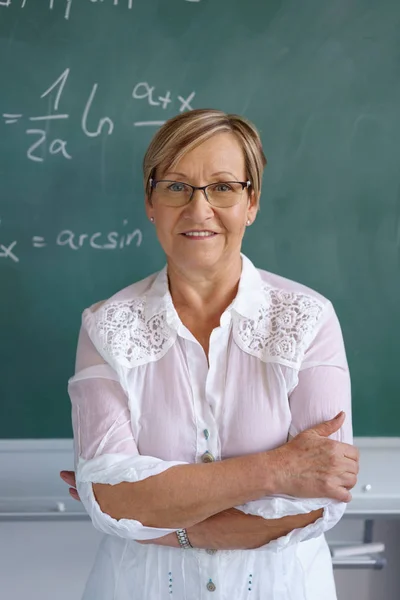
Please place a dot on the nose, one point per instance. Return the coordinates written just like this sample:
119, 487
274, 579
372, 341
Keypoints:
199, 209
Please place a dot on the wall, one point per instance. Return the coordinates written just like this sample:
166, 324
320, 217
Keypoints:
48, 561
55, 557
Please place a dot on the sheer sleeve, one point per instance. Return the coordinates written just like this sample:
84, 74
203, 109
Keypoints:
105, 450
322, 391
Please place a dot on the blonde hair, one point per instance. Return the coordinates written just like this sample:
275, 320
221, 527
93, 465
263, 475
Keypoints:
188, 130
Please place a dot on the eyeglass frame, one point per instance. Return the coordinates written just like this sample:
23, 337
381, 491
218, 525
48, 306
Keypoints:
244, 184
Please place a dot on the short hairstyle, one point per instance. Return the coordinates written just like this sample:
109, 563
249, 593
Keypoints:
188, 130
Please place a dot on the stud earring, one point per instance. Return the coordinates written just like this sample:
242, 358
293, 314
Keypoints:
152, 219
248, 222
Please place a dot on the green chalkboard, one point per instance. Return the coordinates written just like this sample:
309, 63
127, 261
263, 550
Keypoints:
84, 86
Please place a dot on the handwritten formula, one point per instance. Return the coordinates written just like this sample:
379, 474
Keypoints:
39, 142
67, 4
56, 121
96, 240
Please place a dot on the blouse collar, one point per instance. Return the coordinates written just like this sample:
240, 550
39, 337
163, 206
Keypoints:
246, 303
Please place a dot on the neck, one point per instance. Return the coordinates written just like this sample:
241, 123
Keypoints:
206, 292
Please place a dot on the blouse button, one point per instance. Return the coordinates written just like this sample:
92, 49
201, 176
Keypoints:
207, 457
211, 586
211, 551
206, 434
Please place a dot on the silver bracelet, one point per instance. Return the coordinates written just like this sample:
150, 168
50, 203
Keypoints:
183, 539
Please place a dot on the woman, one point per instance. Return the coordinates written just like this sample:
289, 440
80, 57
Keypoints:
189, 385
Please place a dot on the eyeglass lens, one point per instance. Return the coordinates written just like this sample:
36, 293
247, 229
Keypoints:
221, 194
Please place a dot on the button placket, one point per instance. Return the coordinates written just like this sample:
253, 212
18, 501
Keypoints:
214, 388
208, 457
198, 372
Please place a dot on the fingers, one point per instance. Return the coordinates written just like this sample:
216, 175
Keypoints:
344, 495
348, 480
348, 451
340, 489
74, 494
351, 452
339, 492
351, 466
68, 477
329, 427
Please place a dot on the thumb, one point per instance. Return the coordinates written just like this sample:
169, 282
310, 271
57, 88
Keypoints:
328, 427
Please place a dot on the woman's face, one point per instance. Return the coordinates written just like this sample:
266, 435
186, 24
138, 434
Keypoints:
218, 159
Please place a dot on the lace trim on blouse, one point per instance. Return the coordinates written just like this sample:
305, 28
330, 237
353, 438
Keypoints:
127, 337
283, 329
281, 332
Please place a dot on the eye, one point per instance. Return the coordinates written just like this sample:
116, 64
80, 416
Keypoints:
177, 186
222, 187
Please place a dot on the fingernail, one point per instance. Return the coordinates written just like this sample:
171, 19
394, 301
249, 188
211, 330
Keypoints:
339, 415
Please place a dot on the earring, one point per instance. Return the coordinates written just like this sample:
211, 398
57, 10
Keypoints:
248, 222
152, 219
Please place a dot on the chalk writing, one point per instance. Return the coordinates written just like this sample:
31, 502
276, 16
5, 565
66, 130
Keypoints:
67, 4
60, 82
38, 241
43, 145
96, 240
144, 91
59, 145
23, 3
7, 251
109, 125
11, 118
55, 147
129, 3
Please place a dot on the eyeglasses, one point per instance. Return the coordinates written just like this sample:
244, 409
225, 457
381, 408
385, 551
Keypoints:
220, 195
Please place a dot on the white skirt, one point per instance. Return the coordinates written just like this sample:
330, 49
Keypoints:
126, 570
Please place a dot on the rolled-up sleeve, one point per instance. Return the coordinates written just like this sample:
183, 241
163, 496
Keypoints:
105, 450
323, 389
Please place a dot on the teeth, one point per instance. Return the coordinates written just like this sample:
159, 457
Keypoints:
200, 233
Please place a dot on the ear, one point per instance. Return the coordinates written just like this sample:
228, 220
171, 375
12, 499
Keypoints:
148, 207
252, 206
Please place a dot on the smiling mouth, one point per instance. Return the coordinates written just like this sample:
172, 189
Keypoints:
199, 234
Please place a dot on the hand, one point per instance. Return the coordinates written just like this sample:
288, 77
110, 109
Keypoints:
69, 478
313, 466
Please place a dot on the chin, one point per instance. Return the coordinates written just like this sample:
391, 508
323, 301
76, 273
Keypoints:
196, 260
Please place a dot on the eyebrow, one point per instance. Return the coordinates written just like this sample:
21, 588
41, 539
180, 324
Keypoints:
212, 174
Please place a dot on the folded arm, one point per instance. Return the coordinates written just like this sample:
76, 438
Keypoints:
322, 391
144, 497
231, 529
121, 489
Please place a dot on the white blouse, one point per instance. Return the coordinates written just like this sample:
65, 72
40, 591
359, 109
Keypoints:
144, 399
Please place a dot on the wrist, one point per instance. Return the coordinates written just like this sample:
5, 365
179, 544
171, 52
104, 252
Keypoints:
272, 472
183, 538
196, 534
